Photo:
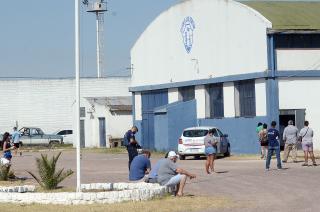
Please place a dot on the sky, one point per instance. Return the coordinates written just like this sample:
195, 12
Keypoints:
37, 36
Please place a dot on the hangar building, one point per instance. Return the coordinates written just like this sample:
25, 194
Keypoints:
227, 64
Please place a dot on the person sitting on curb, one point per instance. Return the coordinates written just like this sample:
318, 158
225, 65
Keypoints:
153, 175
170, 175
140, 166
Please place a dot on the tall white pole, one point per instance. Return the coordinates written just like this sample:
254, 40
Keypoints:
98, 45
77, 81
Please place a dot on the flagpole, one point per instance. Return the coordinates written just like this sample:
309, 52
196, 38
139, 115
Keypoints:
77, 82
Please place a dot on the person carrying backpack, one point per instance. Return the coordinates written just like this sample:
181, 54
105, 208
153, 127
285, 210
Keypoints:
263, 137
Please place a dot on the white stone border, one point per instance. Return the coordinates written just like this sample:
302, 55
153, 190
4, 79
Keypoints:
122, 192
18, 189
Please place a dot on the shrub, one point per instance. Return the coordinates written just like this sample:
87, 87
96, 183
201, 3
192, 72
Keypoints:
49, 177
4, 173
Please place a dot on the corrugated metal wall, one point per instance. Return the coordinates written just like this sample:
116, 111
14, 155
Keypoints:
48, 103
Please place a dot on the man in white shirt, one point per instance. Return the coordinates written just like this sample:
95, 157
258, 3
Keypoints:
290, 136
306, 135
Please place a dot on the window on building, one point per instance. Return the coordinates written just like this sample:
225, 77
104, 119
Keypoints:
215, 98
245, 98
186, 93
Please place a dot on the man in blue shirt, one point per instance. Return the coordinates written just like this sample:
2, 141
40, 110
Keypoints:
140, 166
274, 145
131, 144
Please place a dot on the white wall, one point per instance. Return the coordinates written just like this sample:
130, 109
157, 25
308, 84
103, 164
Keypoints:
228, 99
261, 97
303, 59
48, 103
229, 38
297, 93
138, 106
200, 96
173, 95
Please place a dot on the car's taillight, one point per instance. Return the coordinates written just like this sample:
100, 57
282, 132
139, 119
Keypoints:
180, 141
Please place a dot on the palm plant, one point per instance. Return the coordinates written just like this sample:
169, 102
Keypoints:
49, 177
4, 172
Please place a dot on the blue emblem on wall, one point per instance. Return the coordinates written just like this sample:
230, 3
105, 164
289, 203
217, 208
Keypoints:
187, 29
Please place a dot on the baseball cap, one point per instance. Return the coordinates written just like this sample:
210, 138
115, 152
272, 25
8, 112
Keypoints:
172, 154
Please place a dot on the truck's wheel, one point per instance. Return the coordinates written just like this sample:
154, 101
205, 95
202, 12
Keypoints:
53, 144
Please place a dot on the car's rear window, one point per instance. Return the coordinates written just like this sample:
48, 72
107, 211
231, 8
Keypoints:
195, 133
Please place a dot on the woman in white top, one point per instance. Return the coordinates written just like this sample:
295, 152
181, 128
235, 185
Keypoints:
306, 136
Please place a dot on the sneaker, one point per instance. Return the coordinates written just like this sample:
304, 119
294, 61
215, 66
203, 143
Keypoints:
305, 164
314, 164
267, 169
284, 161
279, 168
295, 161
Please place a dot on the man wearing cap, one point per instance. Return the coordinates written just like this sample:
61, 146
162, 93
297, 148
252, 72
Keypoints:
290, 136
170, 175
131, 144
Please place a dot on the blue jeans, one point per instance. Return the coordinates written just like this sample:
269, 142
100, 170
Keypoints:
271, 149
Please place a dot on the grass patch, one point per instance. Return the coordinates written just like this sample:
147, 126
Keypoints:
59, 189
13, 183
167, 204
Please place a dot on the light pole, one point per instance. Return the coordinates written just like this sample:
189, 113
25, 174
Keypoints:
77, 81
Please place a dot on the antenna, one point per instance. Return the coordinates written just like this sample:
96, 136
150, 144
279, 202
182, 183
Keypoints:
98, 7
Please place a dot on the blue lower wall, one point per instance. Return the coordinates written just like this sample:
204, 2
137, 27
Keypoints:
242, 132
138, 135
180, 116
161, 132
170, 122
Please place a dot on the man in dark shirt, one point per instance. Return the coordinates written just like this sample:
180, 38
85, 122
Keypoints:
131, 144
274, 145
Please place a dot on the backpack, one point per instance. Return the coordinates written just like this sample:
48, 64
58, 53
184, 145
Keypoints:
264, 138
125, 139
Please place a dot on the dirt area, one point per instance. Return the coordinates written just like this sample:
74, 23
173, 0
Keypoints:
242, 181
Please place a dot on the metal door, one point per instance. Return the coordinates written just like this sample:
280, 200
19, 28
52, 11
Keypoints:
102, 132
300, 118
82, 134
151, 100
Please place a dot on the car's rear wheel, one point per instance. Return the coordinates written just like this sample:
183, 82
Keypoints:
227, 154
182, 157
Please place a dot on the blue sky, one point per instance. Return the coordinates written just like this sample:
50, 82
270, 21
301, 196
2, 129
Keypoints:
37, 36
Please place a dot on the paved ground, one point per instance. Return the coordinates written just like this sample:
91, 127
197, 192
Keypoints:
246, 182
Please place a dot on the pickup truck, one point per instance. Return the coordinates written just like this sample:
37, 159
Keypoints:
35, 136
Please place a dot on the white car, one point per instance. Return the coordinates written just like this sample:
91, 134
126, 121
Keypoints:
66, 134
191, 142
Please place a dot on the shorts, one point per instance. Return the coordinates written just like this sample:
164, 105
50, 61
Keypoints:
210, 150
175, 180
7, 155
16, 145
307, 146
